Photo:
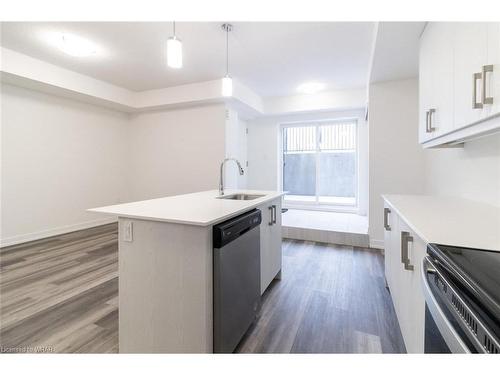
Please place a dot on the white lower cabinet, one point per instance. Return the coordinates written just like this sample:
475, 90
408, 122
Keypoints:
404, 252
270, 243
390, 257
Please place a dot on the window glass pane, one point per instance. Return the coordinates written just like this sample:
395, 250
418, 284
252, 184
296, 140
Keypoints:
299, 163
337, 163
320, 163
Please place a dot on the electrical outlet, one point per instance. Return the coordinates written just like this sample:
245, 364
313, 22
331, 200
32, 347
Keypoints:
128, 232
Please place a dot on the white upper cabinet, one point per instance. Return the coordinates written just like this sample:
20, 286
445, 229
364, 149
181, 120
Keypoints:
492, 80
459, 82
470, 44
436, 80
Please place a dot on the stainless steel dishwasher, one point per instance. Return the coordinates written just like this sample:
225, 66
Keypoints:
236, 287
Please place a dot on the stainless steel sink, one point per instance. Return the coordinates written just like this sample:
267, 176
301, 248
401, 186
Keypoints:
241, 197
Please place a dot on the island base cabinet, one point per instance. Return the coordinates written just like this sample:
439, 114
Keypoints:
165, 288
270, 243
404, 253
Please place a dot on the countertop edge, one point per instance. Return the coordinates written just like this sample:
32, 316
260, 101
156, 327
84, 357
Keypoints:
493, 245
259, 202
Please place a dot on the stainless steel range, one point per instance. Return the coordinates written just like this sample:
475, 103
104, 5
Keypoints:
462, 293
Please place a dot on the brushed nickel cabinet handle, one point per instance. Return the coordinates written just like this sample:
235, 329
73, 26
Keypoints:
427, 121
274, 214
475, 77
431, 111
270, 215
387, 211
486, 99
405, 240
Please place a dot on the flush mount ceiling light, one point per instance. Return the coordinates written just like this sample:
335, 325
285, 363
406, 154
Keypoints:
73, 45
174, 51
310, 87
227, 81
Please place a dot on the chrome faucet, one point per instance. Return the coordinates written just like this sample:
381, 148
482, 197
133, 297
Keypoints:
221, 183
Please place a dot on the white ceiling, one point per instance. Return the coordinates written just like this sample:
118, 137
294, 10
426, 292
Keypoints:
271, 58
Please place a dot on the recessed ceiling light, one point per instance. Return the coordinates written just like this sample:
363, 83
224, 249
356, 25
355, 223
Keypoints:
310, 87
72, 44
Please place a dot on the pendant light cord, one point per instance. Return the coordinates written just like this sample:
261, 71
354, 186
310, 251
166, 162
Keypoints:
227, 51
174, 28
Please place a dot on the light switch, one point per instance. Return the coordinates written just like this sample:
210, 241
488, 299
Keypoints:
128, 231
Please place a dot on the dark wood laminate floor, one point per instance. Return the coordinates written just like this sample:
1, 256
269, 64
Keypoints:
331, 299
61, 294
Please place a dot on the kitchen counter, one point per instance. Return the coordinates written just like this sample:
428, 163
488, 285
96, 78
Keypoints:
449, 221
201, 208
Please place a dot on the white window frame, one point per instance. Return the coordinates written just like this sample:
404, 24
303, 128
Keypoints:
317, 205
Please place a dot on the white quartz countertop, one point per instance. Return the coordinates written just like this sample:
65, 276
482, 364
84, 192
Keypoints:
449, 221
202, 208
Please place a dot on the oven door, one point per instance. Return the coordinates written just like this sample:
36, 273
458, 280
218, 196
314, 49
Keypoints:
442, 331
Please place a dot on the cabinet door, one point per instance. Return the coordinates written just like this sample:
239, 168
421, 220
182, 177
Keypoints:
425, 82
265, 248
492, 79
436, 81
437, 57
270, 242
412, 305
416, 298
399, 281
470, 46
275, 241
390, 248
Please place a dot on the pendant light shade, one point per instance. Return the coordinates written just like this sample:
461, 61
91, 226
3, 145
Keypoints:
227, 81
174, 52
227, 86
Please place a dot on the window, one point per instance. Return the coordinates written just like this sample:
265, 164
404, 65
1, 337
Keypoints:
320, 163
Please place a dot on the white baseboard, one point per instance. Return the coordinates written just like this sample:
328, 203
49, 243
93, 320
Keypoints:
377, 244
8, 241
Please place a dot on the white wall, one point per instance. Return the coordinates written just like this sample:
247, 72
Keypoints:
243, 152
264, 150
340, 100
263, 153
396, 159
471, 173
235, 147
59, 157
175, 152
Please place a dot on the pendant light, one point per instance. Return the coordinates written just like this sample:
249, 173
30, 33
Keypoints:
174, 51
227, 81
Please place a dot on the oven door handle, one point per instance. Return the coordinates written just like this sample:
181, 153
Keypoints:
450, 335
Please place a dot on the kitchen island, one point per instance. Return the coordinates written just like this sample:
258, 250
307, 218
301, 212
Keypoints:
166, 269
